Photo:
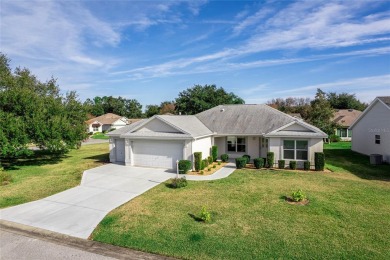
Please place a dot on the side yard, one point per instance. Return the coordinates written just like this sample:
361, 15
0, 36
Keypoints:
347, 217
45, 174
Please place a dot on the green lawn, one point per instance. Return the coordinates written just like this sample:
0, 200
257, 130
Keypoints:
100, 136
45, 174
348, 216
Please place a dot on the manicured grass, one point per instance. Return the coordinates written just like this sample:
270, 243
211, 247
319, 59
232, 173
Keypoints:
338, 145
347, 217
100, 136
45, 174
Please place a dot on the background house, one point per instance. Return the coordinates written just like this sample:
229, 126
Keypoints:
371, 131
106, 122
344, 118
236, 129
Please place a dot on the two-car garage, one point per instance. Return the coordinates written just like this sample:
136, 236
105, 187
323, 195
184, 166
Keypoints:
148, 153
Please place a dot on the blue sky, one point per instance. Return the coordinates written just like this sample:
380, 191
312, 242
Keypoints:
151, 50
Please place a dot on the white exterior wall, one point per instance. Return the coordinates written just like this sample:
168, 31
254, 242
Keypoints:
221, 143
275, 145
90, 128
202, 145
118, 124
253, 146
375, 122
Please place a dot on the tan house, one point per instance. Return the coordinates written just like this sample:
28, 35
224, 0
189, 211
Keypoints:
106, 122
371, 131
236, 129
345, 118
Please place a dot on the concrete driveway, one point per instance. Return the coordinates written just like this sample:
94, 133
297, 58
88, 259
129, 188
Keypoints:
77, 211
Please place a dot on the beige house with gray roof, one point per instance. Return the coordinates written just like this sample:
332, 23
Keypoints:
371, 131
236, 129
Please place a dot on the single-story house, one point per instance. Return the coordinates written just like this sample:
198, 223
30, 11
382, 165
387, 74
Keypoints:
236, 129
344, 118
106, 122
371, 131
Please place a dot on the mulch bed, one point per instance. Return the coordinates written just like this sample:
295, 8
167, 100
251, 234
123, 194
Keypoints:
292, 202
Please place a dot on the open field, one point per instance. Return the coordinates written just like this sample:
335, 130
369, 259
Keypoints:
44, 174
348, 216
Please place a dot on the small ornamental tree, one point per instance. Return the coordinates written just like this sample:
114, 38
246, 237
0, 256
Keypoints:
214, 152
198, 161
319, 161
270, 159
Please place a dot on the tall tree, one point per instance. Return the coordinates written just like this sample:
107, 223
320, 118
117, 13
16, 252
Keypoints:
200, 98
321, 113
345, 101
32, 111
151, 110
167, 107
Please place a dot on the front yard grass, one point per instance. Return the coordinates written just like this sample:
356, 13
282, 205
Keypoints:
100, 136
45, 174
347, 217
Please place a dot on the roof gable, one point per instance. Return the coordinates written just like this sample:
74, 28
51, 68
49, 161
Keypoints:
106, 119
385, 101
157, 125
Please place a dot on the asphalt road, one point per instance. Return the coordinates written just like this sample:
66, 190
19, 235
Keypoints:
17, 246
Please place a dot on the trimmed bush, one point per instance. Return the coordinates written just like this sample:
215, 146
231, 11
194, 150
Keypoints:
214, 152
201, 172
293, 165
258, 162
219, 163
240, 162
270, 160
202, 165
247, 157
281, 164
210, 159
298, 195
319, 161
224, 157
198, 161
214, 166
206, 163
178, 183
184, 166
306, 165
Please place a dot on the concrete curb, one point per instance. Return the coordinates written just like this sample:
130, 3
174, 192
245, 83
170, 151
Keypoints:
78, 243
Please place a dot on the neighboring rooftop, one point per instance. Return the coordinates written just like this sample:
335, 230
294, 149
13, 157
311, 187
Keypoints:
385, 99
345, 117
105, 119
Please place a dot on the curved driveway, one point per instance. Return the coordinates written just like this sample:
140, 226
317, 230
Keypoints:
77, 211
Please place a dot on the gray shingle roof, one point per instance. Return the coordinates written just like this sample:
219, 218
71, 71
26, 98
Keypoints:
189, 124
296, 134
244, 119
385, 99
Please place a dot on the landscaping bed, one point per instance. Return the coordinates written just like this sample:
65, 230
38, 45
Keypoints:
208, 171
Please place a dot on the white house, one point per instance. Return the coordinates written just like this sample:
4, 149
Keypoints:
236, 129
106, 122
371, 131
345, 118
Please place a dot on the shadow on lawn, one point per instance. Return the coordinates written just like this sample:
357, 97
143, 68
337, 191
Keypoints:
357, 164
104, 158
38, 158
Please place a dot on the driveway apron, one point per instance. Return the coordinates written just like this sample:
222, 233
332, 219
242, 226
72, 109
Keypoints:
77, 211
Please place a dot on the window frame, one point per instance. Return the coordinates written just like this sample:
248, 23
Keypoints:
377, 139
236, 144
295, 149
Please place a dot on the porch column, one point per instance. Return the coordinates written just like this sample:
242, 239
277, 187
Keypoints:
127, 152
112, 150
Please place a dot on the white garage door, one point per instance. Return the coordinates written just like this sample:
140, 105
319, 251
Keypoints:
120, 150
161, 154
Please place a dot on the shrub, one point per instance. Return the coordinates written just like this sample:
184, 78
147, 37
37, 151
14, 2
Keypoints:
201, 172
240, 162
202, 165
205, 163
5, 177
90, 133
293, 165
214, 166
224, 157
281, 164
210, 159
112, 129
306, 165
184, 166
335, 138
209, 169
198, 161
270, 159
298, 195
104, 131
219, 163
178, 183
214, 152
258, 162
247, 157
205, 215
319, 161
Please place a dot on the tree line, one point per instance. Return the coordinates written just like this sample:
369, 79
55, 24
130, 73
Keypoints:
35, 112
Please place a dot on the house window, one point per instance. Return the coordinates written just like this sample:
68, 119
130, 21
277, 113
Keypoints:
295, 149
342, 132
349, 133
236, 144
377, 139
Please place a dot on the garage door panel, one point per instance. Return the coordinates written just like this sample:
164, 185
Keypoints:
161, 154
